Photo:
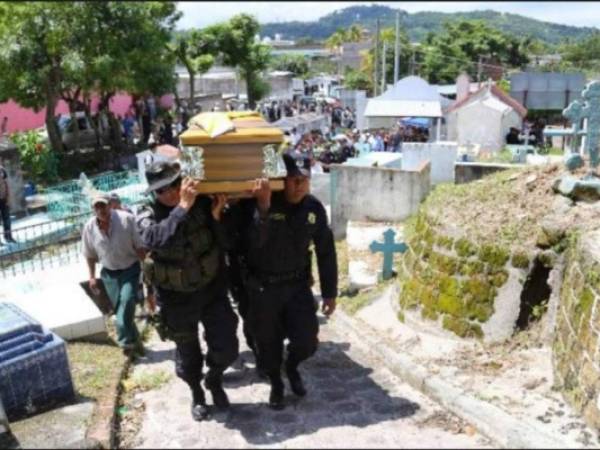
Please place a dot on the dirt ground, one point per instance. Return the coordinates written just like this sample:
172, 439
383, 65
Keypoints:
509, 206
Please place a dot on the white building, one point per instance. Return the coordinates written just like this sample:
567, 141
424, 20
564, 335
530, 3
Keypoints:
409, 97
483, 119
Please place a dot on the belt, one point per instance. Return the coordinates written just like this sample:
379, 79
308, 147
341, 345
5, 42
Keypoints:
120, 271
276, 278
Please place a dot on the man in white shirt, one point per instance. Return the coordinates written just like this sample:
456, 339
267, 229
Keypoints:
111, 238
296, 137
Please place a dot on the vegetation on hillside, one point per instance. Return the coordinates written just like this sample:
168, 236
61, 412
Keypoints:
417, 25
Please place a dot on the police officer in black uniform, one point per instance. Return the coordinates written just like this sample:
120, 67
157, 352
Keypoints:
281, 300
185, 239
238, 217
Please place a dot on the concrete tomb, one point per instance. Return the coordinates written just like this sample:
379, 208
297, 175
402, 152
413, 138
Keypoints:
34, 368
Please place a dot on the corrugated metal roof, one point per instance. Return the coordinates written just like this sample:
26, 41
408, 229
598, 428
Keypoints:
409, 97
402, 108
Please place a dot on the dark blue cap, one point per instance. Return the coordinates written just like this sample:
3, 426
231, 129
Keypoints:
297, 164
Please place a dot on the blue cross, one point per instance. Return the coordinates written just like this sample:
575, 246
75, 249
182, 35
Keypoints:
388, 248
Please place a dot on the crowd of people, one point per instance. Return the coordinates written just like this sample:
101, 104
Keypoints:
336, 115
336, 145
531, 133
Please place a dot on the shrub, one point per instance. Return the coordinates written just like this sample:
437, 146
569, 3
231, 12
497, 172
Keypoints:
37, 159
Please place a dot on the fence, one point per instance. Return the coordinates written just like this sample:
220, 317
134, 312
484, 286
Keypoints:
41, 245
73, 198
44, 245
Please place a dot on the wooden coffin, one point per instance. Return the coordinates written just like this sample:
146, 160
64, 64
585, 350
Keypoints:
234, 159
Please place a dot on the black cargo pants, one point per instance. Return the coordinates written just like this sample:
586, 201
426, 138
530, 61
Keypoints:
279, 311
182, 311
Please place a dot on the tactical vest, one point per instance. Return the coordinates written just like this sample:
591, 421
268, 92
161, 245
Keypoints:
192, 258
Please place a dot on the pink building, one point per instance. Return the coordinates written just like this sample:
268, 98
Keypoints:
21, 119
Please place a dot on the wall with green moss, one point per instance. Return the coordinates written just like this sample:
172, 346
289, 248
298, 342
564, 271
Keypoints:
576, 347
453, 280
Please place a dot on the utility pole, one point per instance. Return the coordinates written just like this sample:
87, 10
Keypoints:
397, 49
412, 63
383, 61
479, 67
376, 59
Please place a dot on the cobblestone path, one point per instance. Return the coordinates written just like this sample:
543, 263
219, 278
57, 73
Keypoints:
353, 402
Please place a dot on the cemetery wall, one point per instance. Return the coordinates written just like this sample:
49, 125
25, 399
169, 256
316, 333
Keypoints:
466, 287
441, 154
576, 347
320, 188
375, 194
465, 172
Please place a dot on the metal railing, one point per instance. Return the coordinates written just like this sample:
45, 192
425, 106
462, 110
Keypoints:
73, 197
40, 246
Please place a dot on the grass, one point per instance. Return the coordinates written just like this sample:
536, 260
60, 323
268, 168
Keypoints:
146, 380
341, 248
93, 366
504, 156
351, 304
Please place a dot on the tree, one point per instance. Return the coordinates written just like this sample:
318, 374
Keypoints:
341, 36
461, 44
54, 50
35, 41
388, 35
296, 64
359, 80
124, 48
354, 33
196, 51
335, 41
239, 49
582, 56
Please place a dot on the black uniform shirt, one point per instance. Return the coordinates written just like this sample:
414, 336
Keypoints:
280, 243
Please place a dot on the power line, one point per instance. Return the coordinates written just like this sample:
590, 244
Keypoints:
472, 63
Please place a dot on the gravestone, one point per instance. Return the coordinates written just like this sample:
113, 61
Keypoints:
591, 111
576, 111
34, 368
587, 188
388, 248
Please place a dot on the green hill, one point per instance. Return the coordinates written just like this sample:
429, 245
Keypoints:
419, 24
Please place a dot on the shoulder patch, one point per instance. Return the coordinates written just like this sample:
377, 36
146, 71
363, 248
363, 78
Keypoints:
312, 218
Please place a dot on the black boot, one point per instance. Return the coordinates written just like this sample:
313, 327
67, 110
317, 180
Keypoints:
214, 383
295, 379
199, 409
276, 396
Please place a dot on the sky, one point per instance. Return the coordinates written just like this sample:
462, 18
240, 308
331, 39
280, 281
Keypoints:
200, 14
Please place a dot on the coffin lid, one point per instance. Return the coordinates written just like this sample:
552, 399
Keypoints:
236, 127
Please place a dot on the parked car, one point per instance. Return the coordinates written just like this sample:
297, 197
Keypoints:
66, 126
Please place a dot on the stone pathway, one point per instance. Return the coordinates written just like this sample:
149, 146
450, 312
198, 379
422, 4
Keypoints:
353, 402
